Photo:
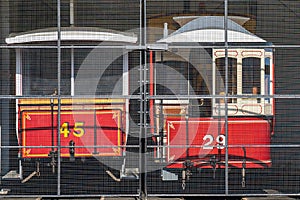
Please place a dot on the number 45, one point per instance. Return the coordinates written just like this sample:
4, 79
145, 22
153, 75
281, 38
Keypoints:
78, 130
209, 141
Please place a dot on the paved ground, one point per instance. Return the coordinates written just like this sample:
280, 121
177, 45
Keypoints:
269, 198
161, 198
102, 198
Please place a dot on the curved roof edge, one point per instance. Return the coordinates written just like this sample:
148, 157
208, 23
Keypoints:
211, 36
210, 29
71, 34
182, 20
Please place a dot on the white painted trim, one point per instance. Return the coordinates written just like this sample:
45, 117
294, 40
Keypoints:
70, 35
211, 36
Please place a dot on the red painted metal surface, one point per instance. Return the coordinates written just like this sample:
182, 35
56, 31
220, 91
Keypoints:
86, 128
202, 140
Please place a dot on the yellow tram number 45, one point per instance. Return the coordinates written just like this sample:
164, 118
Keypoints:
78, 130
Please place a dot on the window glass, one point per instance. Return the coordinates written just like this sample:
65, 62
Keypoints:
267, 78
232, 76
40, 72
251, 76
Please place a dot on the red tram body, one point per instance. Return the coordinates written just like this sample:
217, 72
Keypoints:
236, 133
82, 124
248, 142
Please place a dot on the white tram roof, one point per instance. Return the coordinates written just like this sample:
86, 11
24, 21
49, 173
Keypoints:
78, 34
210, 29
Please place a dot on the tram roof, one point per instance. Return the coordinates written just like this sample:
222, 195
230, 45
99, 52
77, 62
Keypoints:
78, 34
210, 29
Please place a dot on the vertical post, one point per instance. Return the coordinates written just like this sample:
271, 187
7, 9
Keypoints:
18, 73
72, 50
166, 32
19, 80
95, 132
126, 90
272, 77
58, 95
143, 103
151, 91
72, 73
71, 12
5, 82
226, 92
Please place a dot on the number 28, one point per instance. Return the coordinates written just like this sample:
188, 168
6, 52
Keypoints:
209, 141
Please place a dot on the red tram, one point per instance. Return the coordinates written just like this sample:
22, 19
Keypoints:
233, 130
249, 123
232, 127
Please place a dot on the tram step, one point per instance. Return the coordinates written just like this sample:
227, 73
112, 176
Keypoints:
168, 176
130, 173
11, 175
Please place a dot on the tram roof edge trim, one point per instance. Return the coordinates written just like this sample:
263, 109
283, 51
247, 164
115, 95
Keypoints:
211, 36
182, 20
211, 29
71, 34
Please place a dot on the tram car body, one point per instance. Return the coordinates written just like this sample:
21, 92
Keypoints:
234, 130
56, 124
248, 125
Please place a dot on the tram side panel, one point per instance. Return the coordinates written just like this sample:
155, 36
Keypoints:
202, 141
85, 130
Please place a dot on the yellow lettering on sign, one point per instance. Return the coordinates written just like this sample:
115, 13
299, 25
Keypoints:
64, 129
78, 130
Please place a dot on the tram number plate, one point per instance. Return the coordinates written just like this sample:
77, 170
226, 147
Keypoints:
77, 131
211, 141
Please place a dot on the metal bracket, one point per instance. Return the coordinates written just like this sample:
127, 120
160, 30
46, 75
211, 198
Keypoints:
34, 173
244, 169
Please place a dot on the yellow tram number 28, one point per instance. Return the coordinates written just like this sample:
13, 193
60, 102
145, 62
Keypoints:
77, 131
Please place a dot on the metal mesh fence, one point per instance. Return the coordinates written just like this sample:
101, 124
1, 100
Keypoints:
149, 98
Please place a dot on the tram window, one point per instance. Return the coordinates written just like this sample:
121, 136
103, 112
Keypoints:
40, 71
108, 83
251, 75
232, 76
267, 78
